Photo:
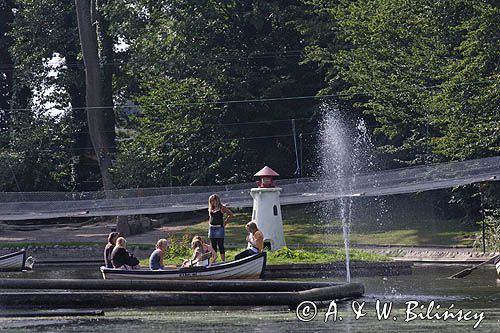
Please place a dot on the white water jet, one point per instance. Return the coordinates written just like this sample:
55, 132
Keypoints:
344, 152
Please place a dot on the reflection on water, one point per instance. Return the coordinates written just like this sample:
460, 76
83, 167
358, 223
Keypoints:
478, 292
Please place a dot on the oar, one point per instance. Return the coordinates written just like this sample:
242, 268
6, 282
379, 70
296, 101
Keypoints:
467, 271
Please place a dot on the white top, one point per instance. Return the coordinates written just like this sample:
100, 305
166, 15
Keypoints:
252, 244
202, 263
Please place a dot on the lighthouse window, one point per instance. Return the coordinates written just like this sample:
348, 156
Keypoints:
275, 210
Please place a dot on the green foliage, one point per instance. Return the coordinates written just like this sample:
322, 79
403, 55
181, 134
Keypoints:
492, 233
412, 70
328, 255
469, 113
179, 248
46, 152
300, 256
285, 252
490, 198
422, 74
40, 31
37, 160
176, 143
239, 50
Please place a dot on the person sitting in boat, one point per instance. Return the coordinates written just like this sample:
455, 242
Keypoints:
198, 256
121, 258
109, 248
156, 258
207, 248
255, 239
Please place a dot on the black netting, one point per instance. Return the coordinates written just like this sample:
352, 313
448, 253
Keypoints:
40, 205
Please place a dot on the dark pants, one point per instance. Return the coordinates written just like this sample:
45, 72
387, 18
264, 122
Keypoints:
218, 243
244, 254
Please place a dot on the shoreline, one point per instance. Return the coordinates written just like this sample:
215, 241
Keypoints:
415, 254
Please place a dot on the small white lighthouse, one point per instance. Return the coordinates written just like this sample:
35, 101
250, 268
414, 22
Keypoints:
267, 209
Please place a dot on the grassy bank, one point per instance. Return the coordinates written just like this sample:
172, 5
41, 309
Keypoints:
302, 226
286, 256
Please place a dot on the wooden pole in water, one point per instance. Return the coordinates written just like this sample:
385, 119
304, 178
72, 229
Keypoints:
178, 298
173, 285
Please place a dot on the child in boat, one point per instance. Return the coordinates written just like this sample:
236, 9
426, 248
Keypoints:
255, 239
156, 258
197, 258
121, 258
207, 248
109, 248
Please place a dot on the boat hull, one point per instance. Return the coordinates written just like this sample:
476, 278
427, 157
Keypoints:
247, 268
13, 261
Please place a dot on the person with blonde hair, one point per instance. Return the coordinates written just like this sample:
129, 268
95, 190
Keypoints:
217, 223
156, 258
207, 248
121, 258
255, 239
198, 254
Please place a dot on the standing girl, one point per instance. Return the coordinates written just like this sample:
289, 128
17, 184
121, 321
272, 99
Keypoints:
218, 218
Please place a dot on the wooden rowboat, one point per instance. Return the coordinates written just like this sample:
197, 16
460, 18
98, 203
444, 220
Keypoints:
247, 268
16, 261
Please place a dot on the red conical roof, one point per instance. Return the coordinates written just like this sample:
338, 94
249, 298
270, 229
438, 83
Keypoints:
266, 172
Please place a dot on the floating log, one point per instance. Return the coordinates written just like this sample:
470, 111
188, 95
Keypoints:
69, 262
162, 285
51, 313
178, 298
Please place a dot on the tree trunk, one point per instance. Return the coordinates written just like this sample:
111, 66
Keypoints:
106, 55
94, 100
87, 171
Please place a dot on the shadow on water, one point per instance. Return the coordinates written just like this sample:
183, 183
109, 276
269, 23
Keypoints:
478, 292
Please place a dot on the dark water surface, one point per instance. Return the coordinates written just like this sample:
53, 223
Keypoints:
478, 293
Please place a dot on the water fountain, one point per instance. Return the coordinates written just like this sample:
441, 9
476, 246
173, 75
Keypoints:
345, 150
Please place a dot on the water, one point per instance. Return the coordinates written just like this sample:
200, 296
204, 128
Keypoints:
479, 292
345, 151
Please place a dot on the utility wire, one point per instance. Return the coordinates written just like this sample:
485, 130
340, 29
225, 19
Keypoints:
199, 141
276, 99
62, 64
120, 131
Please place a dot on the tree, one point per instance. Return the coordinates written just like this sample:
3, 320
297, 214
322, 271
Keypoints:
6, 18
389, 62
96, 96
468, 102
44, 32
38, 159
468, 105
174, 145
242, 50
